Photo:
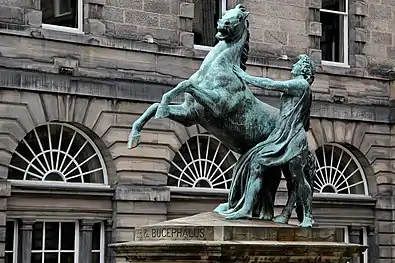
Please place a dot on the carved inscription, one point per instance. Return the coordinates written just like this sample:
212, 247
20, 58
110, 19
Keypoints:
184, 233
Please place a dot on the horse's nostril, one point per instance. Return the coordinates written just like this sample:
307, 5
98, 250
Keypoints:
227, 23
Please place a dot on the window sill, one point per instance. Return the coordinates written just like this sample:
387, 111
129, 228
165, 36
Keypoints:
202, 48
62, 29
334, 64
88, 187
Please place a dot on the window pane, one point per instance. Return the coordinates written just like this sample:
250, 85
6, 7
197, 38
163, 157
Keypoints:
37, 236
9, 236
67, 258
207, 13
60, 12
332, 40
95, 257
335, 5
68, 236
96, 236
36, 258
51, 236
50, 257
9, 257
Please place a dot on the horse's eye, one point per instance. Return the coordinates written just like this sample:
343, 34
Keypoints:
239, 17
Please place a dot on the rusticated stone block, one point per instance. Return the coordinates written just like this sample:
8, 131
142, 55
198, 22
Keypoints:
159, 7
361, 8
361, 35
316, 55
380, 11
139, 193
359, 61
140, 18
315, 28
316, 4
276, 37
95, 27
33, 17
187, 39
187, 10
381, 38
11, 14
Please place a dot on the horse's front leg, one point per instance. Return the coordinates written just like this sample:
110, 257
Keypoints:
207, 98
180, 113
163, 109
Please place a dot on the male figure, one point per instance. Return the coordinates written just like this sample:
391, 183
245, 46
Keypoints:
287, 144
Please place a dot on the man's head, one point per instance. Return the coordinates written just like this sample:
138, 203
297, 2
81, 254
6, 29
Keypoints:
304, 67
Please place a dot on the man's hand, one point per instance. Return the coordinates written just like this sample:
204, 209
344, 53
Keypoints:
241, 74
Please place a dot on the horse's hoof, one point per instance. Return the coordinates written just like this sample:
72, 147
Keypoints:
280, 219
307, 222
266, 217
162, 112
134, 140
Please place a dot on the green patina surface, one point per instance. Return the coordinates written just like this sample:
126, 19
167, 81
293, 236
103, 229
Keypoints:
270, 140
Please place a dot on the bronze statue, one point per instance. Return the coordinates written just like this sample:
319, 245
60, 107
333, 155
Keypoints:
286, 146
218, 100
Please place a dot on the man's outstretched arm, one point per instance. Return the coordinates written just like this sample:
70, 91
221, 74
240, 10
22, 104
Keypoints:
291, 87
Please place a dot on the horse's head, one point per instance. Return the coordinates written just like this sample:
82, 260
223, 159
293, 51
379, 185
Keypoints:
232, 24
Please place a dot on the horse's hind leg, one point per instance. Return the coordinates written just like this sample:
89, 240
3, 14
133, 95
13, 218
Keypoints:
286, 213
271, 182
182, 114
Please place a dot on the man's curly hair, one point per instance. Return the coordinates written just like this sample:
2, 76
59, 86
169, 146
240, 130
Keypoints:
308, 68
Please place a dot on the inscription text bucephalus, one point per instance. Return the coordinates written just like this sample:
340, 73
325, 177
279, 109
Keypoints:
218, 100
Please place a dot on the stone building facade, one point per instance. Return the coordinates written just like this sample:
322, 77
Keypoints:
75, 74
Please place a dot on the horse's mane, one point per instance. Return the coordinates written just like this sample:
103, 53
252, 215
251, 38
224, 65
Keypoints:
246, 49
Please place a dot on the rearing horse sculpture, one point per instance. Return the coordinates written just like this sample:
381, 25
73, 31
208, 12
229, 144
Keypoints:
220, 102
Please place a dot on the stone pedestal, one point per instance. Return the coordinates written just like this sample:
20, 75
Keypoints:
208, 237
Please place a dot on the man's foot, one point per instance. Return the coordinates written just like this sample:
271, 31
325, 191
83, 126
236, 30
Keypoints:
162, 112
134, 139
241, 214
280, 219
221, 208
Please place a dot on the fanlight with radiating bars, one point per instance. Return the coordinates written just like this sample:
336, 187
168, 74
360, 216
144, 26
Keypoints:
204, 162
58, 152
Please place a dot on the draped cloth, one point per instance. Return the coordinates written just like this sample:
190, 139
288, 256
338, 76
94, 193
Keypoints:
287, 140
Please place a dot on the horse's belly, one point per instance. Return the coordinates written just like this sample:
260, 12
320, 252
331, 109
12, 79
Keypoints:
234, 133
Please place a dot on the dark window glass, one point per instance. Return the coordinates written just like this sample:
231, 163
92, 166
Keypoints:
332, 39
68, 236
95, 257
9, 236
67, 257
207, 13
36, 258
37, 236
96, 236
334, 5
60, 12
51, 257
51, 236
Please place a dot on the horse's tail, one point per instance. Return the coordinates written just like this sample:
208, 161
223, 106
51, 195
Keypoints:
246, 49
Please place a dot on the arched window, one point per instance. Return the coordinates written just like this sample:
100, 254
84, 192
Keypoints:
58, 152
339, 171
202, 162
